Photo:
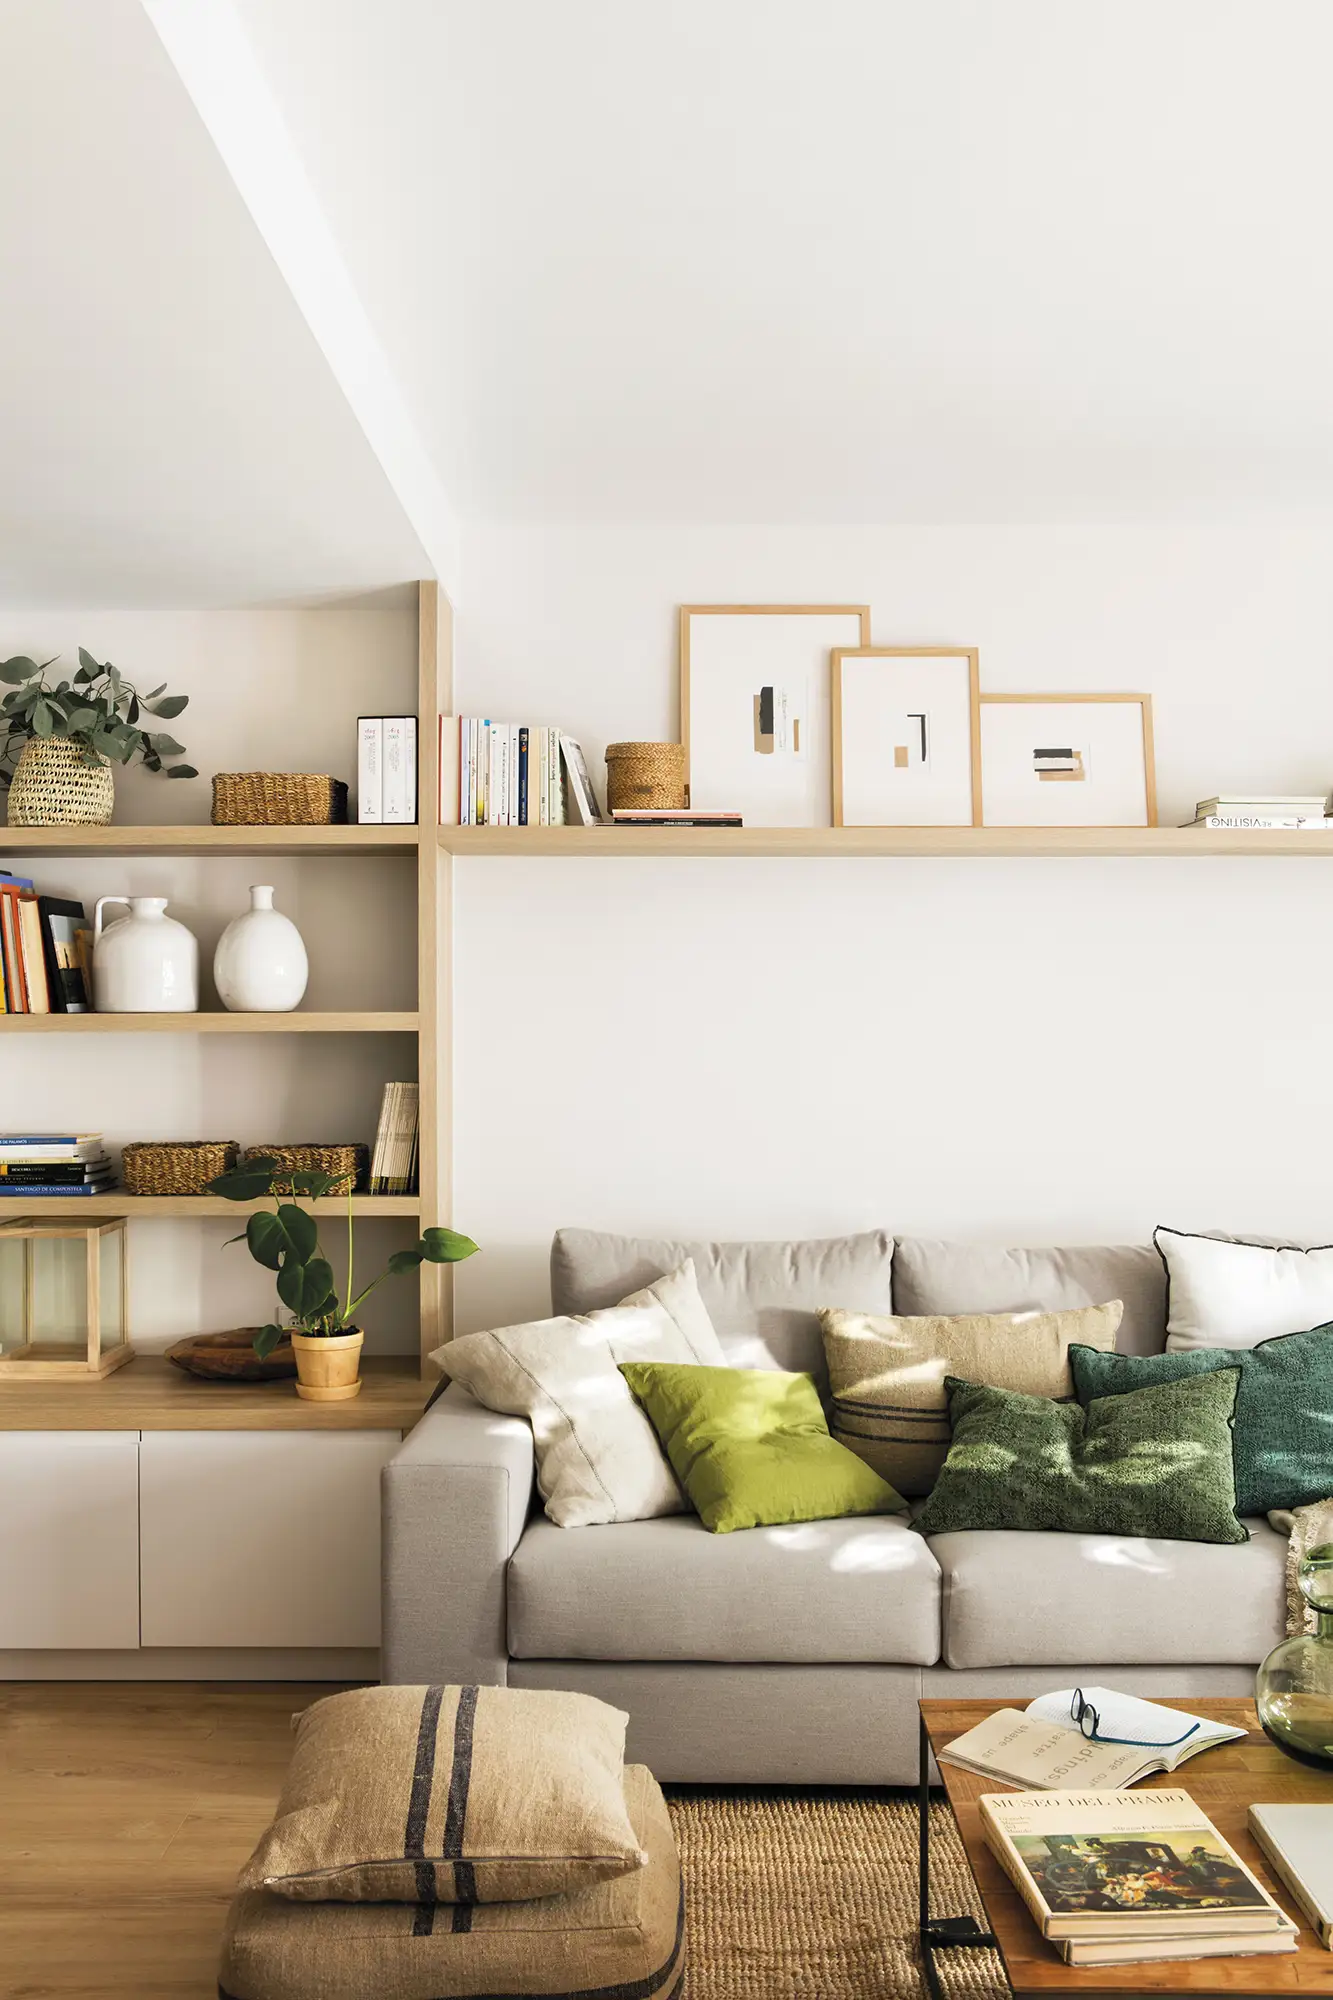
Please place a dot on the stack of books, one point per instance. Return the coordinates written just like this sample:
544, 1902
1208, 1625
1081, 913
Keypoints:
683, 816
62, 1163
393, 1163
1125, 1878
45, 951
512, 774
386, 770
1301, 813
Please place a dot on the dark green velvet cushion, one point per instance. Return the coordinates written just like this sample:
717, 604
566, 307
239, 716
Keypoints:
1283, 1436
1155, 1462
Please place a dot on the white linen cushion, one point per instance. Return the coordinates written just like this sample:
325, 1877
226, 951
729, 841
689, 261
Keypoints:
598, 1458
1224, 1293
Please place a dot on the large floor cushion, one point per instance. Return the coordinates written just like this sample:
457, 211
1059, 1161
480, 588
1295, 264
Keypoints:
865, 1589
931, 1275
1013, 1599
625, 1936
761, 1297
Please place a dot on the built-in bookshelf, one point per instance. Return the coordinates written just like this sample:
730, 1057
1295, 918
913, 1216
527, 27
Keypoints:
907, 842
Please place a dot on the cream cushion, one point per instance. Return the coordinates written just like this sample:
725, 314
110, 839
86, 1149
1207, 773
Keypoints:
598, 1458
887, 1376
1225, 1293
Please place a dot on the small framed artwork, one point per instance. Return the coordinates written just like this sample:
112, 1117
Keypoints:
906, 736
1068, 760
754, 706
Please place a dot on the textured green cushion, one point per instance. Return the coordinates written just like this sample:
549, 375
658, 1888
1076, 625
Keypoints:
751, 1447
1156, 1462
1282, 1442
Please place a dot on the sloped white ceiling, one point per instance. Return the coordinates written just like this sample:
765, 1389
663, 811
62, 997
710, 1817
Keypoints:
837, 259
169, 432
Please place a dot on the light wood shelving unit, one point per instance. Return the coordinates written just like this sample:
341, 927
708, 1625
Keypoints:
953, 842
221, 840
211, 1024
185, 1207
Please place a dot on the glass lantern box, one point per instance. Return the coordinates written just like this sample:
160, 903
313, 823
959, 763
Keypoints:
63, 1298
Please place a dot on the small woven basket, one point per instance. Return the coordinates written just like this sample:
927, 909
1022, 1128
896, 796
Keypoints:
53, 786
351, 1164
178, 1166
278, 798
646, 776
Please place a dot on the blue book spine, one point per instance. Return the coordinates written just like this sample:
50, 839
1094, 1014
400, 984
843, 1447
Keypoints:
21, 1192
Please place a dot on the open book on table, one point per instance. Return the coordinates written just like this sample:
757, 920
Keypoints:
1043, 1749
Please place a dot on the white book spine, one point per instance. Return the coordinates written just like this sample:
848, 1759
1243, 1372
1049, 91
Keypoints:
395, 771
449, 807
411, 768
370, 770
543, 777
465, 771
492, 774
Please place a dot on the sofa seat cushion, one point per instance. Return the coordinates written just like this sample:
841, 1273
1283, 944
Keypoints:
862, 1589
1013, 1599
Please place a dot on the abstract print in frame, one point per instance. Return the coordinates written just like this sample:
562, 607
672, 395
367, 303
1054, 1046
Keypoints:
754, 706
906, 736
1068, 760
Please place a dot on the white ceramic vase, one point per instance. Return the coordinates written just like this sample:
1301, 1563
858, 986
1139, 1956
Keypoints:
144, 963
260, 966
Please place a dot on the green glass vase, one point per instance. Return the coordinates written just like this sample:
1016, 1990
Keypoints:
1294, 1688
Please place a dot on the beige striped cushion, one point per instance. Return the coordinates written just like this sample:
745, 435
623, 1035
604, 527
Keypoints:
449, 1795
886, 1376
623, 1937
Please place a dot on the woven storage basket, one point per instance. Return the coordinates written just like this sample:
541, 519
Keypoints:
53, 786
278, 798
351, 1164
177, 1166
649, 777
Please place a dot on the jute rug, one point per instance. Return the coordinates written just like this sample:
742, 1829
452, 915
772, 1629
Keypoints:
812, 1896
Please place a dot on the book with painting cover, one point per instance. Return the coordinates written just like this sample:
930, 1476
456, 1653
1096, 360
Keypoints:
1094, 1867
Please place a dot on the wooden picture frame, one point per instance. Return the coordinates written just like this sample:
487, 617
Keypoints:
933, 754
1033, 796
755, 710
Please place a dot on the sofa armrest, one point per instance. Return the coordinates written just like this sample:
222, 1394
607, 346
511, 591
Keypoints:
455, 1502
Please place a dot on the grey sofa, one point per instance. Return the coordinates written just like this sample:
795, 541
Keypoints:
797, 1654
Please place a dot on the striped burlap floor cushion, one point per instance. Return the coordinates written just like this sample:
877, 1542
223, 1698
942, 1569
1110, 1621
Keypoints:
616, 1940
449, 1795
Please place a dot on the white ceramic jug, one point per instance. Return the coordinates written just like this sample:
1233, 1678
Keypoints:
260, 965
145, 963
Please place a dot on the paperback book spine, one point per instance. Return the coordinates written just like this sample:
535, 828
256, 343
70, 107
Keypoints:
370, 770
395, 771
524, 791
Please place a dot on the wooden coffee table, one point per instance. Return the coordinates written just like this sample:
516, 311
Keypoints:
1225, 1782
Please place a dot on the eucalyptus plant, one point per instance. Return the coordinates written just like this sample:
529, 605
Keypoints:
96, 707
286, 1240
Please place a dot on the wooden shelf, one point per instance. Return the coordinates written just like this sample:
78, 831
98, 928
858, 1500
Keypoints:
148, 1394
234, 840
956, 842
190, 1206
211, 1024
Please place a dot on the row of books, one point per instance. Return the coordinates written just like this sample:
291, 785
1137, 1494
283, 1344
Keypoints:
386, 770
394, 1159
53, 1163
530, 774
1266, 811
45, 951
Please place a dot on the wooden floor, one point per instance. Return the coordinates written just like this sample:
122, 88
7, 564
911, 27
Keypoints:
125, 1813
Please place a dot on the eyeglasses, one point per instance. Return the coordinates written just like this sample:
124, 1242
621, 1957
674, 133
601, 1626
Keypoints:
1089, 1722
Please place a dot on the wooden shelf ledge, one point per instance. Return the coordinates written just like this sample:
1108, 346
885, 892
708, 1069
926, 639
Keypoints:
335, 1023
955, 842
224, 840
188, 1206
148, 1394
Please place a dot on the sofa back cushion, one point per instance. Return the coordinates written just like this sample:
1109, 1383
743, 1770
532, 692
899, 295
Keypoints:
934, 1276
761, 1297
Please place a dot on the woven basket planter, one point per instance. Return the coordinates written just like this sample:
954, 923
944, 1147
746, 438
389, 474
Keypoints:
278, 798
183, 1166
52, 786
647, 777
351, 1164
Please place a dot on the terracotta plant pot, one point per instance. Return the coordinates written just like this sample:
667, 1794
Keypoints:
327, 1365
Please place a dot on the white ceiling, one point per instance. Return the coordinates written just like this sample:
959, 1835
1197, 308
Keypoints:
837, 259
169, 432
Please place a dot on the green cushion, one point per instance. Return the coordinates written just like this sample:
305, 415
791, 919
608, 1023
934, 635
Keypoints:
1282, 1442
1155, 1462
751, 1447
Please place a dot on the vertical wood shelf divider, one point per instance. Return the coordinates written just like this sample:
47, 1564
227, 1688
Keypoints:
435, 884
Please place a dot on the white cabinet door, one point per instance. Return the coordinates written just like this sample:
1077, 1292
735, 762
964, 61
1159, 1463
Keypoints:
261, 1538
69, 1553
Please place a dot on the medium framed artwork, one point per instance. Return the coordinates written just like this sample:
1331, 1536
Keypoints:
754, 706
1068, 760
906, 736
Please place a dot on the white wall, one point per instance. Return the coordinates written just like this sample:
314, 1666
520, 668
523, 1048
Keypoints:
1025, 1050
268, 690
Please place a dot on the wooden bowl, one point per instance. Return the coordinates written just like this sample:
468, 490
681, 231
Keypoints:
230, 1357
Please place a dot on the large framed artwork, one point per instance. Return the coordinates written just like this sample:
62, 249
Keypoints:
906, 736
754, 706
1068, 760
